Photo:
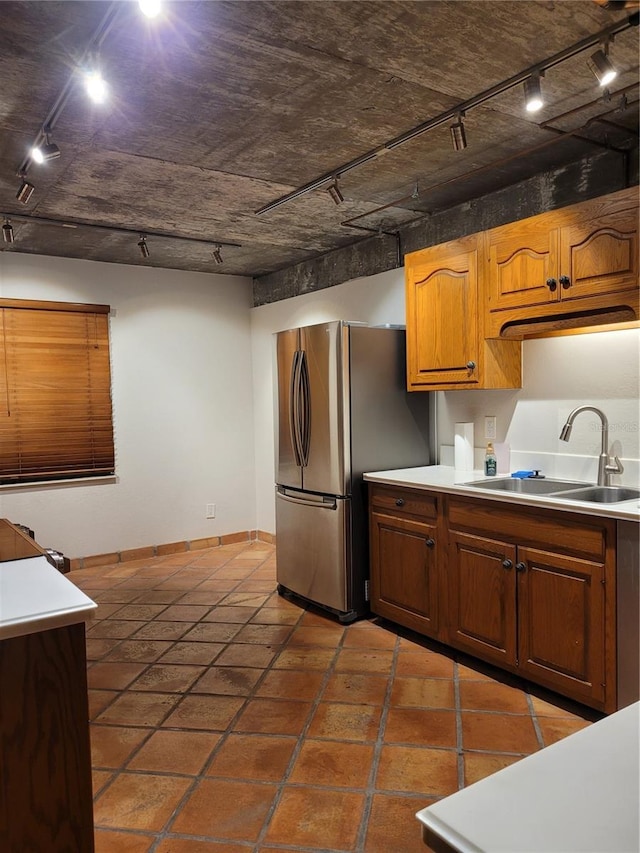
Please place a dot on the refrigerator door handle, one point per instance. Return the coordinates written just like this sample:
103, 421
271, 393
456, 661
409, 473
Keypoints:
294, 385
325, 503
305, 410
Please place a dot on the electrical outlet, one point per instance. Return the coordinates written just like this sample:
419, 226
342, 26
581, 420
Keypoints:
490, 427
211, 511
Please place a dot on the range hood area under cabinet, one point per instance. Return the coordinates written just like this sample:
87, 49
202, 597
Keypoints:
470, 301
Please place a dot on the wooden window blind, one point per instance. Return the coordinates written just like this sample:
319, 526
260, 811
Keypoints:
55, 391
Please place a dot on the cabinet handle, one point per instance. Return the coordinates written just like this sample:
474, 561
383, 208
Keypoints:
552, 284
565, 281
521, 567
507, 564
400, 502
430, 543
471, 365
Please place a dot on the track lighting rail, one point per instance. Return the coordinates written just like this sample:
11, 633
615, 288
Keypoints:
114, 229
601, 118
99, 35
477, 100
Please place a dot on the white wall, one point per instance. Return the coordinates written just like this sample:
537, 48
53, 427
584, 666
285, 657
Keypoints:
182, 405
558, 374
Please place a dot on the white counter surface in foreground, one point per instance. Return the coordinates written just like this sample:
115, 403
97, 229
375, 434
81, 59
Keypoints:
442, 478
580, 795
34, 597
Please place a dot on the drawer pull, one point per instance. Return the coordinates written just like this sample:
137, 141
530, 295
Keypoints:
521, 567
471, 365
430, 543
552, 284
565, 281
507, 564
400, 502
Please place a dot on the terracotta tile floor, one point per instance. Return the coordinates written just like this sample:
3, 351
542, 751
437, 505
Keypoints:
225, 719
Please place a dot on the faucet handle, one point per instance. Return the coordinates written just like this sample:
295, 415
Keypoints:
614, 468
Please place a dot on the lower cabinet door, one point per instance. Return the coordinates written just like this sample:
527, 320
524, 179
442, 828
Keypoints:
404, 577
561, 623
482, 597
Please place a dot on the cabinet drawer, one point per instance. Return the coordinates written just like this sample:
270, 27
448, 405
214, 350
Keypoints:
400, 501
542, 528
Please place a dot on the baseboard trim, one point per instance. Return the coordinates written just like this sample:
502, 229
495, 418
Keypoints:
167, 548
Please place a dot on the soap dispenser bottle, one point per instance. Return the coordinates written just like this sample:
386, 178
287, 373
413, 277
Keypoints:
490, 461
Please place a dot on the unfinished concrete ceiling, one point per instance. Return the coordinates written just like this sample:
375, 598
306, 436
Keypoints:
218, 109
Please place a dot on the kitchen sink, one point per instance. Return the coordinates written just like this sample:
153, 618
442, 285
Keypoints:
527, 486
603, 494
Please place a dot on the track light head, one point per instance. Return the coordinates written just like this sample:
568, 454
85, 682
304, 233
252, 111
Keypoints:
142, 245
44, 152
458, 136
25, 191
150, 8
533, 94
334, 191
95, 85
217, 255
602, 67
7, 231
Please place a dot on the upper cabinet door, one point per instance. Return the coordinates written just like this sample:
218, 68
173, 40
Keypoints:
523, 261
599, 255
442, 315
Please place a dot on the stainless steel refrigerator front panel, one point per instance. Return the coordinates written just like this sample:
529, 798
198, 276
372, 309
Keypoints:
288, 472
326, 471
313, 545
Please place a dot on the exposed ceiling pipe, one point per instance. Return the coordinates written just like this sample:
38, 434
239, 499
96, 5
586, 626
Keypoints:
465, 106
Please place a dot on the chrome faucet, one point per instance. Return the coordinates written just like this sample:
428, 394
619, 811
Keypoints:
605, 467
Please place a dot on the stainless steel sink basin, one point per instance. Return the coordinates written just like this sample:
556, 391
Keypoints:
527, 486
603, 494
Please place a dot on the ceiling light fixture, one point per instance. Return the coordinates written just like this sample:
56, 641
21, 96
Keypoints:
45, 151
142, 245
7, 231
25, 190
533, 94
602, 67
95, 85
150, 8
458, 135
334, 191
217, 255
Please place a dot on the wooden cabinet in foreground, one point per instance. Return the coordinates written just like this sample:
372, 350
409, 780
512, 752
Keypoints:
446, 345
572, 267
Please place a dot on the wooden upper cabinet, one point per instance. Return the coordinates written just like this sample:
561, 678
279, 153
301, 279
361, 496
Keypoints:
600, 255
445, 331
580, 261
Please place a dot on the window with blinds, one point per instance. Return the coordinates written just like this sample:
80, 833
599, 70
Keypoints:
55, 391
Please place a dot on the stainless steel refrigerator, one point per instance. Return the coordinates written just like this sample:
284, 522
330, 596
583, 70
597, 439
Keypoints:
342, 409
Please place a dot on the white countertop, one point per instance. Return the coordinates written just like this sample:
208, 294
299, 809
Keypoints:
441, 478
35, 596
579, 795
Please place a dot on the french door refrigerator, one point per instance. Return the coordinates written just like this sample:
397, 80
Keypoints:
342, 409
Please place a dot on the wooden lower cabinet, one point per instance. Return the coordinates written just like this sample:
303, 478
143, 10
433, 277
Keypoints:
404, 560
482, 616
531, 591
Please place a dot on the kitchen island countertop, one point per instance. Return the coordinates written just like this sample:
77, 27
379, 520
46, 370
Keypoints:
579, 795
35, 597
444, 478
